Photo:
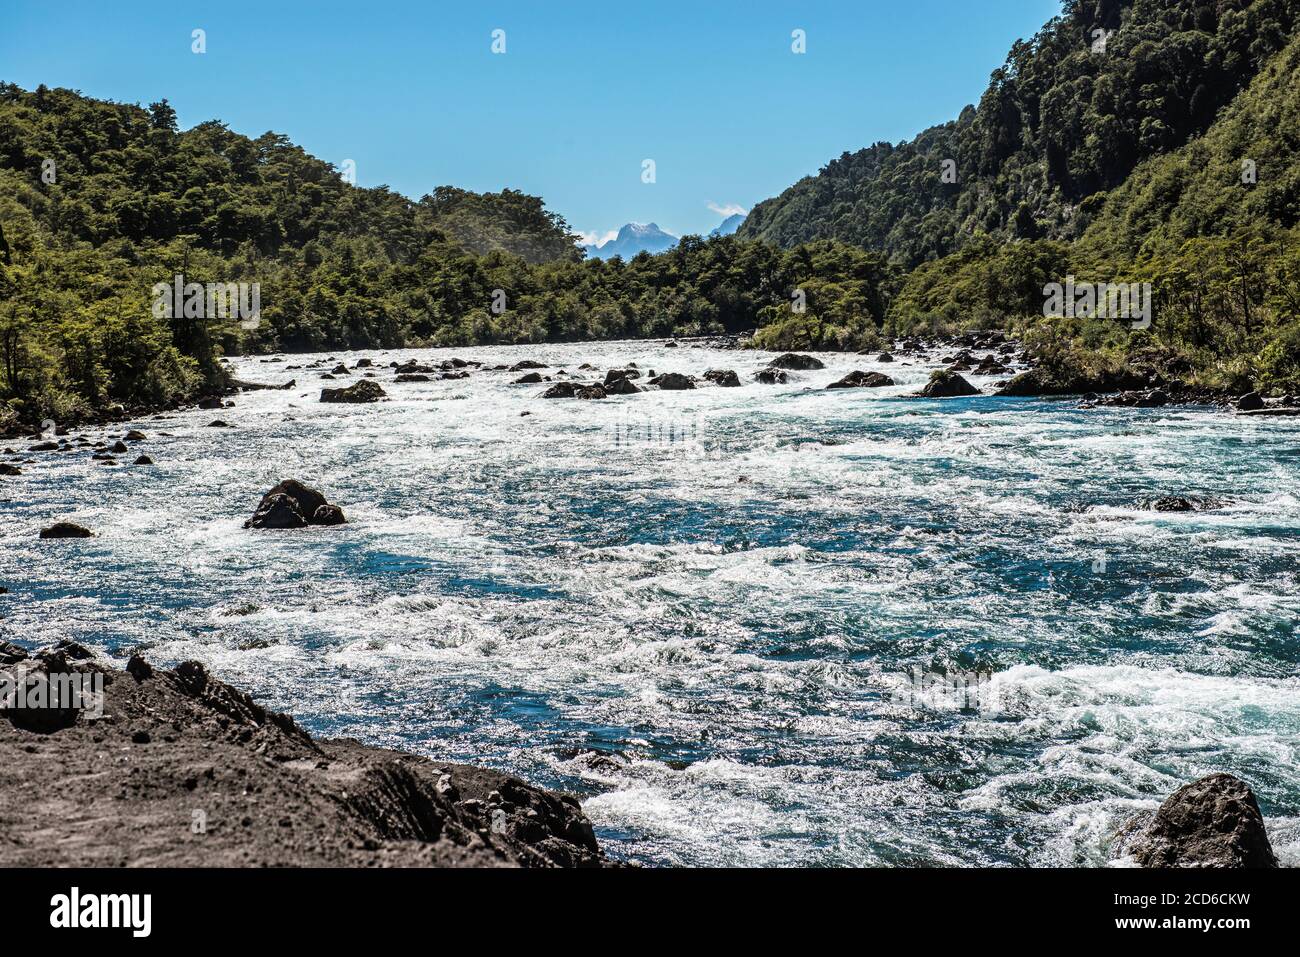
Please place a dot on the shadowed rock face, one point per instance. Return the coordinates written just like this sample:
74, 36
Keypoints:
266, 793
1213, 822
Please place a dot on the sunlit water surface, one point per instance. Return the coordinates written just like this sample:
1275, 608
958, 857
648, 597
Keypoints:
724, 592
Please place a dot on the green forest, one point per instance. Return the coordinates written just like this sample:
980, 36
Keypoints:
1167, 156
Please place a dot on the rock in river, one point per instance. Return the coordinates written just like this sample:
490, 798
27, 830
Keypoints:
945, 384
862, 380
65, 530
673, 381
1213, 822
292, 504
792, 360
366, 390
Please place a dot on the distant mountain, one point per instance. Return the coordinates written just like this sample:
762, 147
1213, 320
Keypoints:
728, 225
632, 239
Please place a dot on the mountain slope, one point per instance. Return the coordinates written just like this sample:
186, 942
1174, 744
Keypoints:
1060, 122
728, 225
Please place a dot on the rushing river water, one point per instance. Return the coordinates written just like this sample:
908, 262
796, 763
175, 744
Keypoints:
719, 615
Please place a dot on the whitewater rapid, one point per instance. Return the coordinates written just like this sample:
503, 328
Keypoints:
699, 610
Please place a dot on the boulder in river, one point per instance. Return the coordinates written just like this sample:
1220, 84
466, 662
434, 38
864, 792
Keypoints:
793, 360
621, 387
7, 469
66, 530
596, 391
1250, 402
673, 381
771, 376
526, 364
945, 384
367, 390
862, 380
529, 378
1213, 822
723, 377
291, 504
143, 460
561, 390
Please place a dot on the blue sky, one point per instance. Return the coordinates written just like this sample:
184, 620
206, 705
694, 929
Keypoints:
585, 92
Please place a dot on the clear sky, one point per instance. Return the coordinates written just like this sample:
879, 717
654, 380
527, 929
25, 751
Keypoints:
584, 93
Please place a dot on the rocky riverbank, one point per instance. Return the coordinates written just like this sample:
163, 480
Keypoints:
180, 769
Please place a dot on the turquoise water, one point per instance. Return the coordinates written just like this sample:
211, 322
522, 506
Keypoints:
723, 594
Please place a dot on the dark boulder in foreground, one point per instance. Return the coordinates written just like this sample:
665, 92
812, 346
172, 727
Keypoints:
66, 530
366, 390
270, 793
7, 469
723, 377
945, 384
1213, 822
1250, 402
591, 392
529, 378
862, 380
294, 505
143, 460
770, 376
793, 360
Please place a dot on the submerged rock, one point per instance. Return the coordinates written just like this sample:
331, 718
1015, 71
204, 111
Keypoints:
366, 390
1213, 822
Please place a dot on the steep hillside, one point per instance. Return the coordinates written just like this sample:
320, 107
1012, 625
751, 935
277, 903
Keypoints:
1066, 118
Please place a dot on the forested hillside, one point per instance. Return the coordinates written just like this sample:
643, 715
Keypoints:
99, 201
1062, 122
